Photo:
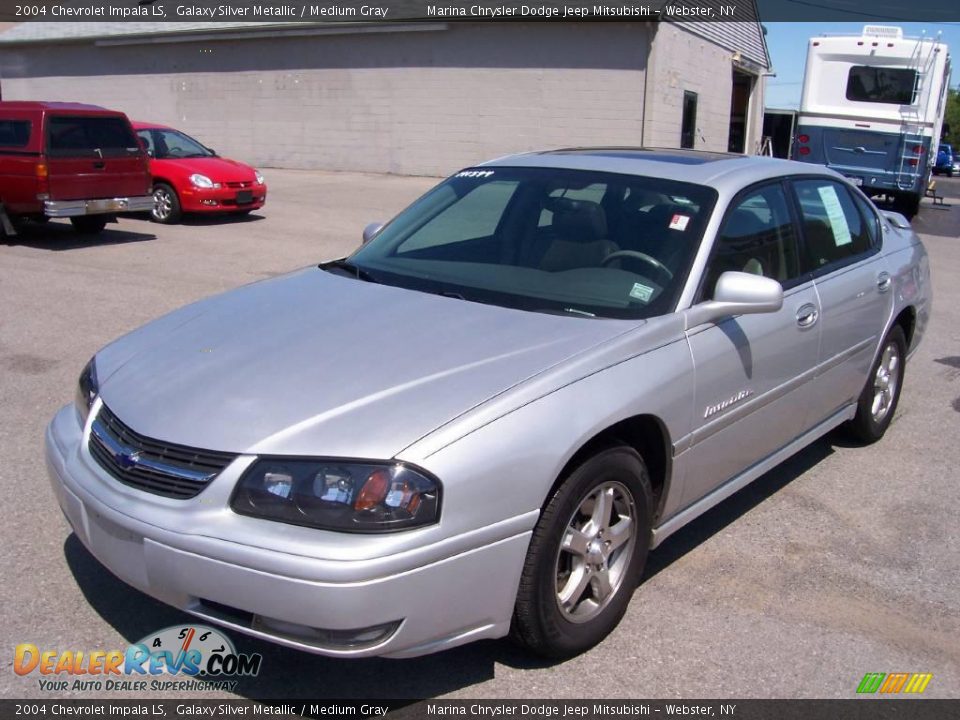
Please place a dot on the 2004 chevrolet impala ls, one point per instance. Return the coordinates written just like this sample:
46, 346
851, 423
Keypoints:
480, 422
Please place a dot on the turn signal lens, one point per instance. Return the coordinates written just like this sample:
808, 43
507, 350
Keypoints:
803, 138
374, 490
804, 150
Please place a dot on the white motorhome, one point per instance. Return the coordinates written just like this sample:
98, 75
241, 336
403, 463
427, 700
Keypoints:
872, 108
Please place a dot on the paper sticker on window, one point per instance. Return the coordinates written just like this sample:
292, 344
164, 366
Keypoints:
679, 222
641, 292
838, 221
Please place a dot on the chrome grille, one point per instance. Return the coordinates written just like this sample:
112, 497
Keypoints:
157, 467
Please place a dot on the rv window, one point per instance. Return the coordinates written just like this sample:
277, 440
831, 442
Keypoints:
896, 86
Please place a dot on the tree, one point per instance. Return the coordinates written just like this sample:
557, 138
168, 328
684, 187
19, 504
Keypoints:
951, 117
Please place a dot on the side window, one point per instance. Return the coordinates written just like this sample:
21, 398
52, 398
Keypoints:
147, 138
870, 218
14, 133
757, 236
833, 229
475, 215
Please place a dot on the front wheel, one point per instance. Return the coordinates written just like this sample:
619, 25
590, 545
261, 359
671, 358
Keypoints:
88, 224
166, 204
586, 556
880, 395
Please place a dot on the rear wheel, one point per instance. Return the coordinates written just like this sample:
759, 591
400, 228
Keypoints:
586, 556
908, 204
878, 401
166, 204
89, 224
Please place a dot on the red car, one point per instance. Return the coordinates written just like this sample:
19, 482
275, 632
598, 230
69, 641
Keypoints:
189, 177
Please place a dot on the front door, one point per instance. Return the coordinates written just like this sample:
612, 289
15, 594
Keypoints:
752, 370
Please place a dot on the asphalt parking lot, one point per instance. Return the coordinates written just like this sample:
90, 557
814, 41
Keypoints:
844, 560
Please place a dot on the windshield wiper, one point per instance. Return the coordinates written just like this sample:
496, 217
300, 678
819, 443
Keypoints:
566, 311
358, 272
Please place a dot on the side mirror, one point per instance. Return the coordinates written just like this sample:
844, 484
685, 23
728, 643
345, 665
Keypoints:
737, 293
370, 231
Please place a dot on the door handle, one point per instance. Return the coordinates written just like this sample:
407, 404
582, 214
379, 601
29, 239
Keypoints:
807, 316
884, 282
99, 165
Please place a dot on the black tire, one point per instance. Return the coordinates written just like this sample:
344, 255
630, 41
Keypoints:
868, 425
89, 224
908, 204
550, 571
166, 204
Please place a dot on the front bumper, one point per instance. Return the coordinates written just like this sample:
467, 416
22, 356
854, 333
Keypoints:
75, 208
199, 556
223, 199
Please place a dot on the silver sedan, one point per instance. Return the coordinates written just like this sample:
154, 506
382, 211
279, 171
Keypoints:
481, 422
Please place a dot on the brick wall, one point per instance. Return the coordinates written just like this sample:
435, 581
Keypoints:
404, 102
682, 61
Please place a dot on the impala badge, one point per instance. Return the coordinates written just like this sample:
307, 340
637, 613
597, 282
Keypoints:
714, 409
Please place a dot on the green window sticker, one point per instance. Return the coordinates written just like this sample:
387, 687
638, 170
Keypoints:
641, 292
838, 221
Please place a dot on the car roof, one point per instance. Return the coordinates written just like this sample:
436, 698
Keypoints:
694, 166
73, 107
140, 125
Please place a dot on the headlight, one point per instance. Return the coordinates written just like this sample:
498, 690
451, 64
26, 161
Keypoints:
87, 390
202, 181
335, 495
259, 177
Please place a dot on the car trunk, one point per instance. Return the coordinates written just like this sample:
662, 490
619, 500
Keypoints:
94, 156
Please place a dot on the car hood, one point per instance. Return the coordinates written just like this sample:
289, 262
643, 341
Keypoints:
217, 169
313, 363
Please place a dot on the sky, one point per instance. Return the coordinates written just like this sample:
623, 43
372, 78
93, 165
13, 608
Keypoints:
787, 42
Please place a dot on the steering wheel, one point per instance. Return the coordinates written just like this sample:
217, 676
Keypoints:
637, 255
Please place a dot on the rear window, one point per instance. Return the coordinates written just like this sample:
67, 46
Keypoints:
90, 136
895, 86
14, 133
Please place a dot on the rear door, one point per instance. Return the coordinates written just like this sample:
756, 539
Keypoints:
94, 156
841, 250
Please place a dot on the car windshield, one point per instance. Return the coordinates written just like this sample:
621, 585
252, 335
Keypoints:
174, 145
548, 240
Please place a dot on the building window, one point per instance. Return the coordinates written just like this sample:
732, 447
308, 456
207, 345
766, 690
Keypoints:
688, 124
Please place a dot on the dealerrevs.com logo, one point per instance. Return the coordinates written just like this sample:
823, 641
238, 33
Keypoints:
182, 657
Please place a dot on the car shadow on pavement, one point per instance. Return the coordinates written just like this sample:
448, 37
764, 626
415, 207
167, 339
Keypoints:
224, 219
741, 502
205, 219
58, 236
290, 674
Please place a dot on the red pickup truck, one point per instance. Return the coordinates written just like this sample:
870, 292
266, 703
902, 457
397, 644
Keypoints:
69, 160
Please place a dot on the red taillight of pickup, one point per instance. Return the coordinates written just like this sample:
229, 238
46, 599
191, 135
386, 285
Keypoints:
43, 181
